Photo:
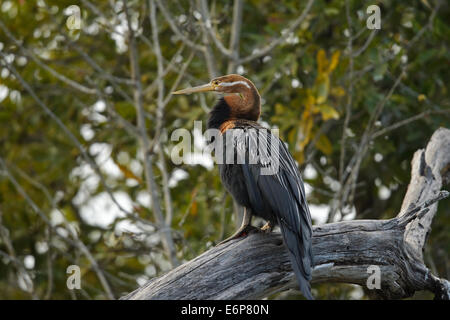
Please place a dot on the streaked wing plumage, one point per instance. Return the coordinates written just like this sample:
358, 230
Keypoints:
282, 192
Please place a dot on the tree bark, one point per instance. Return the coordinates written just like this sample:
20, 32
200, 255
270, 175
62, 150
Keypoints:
258, 265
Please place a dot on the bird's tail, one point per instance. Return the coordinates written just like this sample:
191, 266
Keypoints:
299, 246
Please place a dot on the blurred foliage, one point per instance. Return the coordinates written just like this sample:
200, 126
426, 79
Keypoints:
304, 84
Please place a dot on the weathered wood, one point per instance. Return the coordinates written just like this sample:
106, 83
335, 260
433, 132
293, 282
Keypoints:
258, 265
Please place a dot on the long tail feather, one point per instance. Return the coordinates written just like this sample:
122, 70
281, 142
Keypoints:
300, 258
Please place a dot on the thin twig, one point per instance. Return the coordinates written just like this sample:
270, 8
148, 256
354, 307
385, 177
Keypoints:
365, 141
143, 138
235, 35
177, 31
206, 21
73, 84
77, 242
279, 40
348, 107
71, 137
401, 123
366, 44
207, 52
22, 273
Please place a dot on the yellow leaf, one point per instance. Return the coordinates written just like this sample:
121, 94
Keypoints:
315, 109
421, 97
334, 61
292, 135
306, 125
310, 100
322, 61
299, 157
322, 88
324, 145
338, 91
328, 112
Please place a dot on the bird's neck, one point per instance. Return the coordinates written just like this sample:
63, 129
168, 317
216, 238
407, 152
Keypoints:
219, 114
245, 105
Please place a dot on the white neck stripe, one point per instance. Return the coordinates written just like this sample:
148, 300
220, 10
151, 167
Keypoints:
229, 84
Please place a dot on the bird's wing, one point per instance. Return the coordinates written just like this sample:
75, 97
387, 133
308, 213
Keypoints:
273, 179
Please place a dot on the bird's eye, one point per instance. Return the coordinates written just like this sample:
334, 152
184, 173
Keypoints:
216, 82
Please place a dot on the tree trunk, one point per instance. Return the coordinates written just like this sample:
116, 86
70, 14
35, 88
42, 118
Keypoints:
258, 265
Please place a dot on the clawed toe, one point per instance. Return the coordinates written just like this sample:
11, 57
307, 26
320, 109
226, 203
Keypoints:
267, 228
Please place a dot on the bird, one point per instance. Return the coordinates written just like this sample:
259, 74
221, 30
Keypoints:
277, 195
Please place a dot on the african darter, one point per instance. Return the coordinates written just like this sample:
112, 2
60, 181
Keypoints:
278, 197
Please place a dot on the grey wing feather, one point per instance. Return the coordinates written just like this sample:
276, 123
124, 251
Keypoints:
283, 192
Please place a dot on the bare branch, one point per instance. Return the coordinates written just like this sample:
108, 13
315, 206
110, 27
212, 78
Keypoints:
346, 192
128, 126
77, 242
235, 35
279, 40
177, 31
348, 107
22, 274
391, 55
149, 90
208, 53
366, 44
401, 123
143, 138
71, 137
32, 56
206, 21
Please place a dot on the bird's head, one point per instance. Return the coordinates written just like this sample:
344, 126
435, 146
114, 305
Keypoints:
243, 98
232, 83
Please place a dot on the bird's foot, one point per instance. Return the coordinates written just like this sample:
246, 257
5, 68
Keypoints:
267, 228
240, 234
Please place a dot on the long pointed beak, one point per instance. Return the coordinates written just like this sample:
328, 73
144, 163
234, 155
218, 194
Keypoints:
203, 88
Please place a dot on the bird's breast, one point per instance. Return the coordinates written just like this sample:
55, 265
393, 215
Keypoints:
233, 181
